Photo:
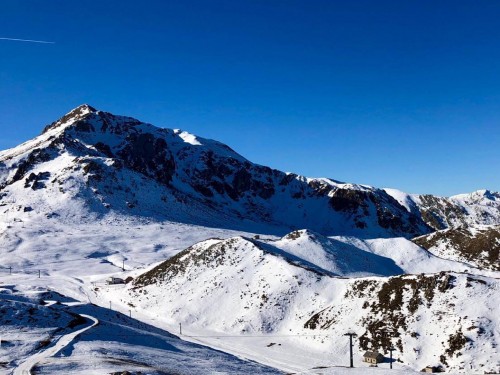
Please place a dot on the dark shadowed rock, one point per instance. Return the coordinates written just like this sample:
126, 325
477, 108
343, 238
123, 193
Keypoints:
150, 156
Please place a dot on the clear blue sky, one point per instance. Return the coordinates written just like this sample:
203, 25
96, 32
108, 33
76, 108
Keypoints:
402, 94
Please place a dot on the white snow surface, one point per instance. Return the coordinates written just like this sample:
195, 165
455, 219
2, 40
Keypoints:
111, 342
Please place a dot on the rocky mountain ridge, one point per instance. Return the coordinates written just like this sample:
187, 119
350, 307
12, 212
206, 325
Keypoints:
119, 163
479, 246
112, 155
481, 207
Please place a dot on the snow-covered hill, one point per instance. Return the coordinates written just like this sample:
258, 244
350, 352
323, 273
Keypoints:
334, 255
249, 287
354, 257
430, 319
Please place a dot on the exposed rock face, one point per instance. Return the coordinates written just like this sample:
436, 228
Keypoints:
34, 157
479, 246
441, 213
148, 155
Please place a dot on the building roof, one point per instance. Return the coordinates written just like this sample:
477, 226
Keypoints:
370, 354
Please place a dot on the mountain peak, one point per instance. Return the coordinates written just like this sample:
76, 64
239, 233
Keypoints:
478, 195
492, 195
72, 116
84, 108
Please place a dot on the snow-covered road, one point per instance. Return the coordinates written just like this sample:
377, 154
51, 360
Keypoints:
25, 367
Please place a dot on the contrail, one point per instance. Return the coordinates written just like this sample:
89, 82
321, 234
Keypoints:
28, 40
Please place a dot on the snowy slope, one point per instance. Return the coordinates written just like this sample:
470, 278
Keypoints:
237, 275
250, 288
50, 333
335, 256
354, 257
428, 318
26, 326
411, 258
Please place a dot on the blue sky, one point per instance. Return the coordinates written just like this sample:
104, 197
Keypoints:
402, 94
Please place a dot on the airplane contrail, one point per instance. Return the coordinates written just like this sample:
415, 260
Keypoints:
28, 40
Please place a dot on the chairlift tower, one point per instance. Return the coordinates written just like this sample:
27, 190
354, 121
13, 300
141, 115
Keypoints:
388, 333
351, 335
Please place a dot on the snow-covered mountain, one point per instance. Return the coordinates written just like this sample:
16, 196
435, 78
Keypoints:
106, 162
94, 159
246, 286
481, 207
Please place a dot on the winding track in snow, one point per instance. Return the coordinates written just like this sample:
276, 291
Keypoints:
26, 367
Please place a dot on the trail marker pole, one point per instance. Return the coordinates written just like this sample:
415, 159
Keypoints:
123, 265
110, 305
180, 329
130, 313
350, 334
38, 273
